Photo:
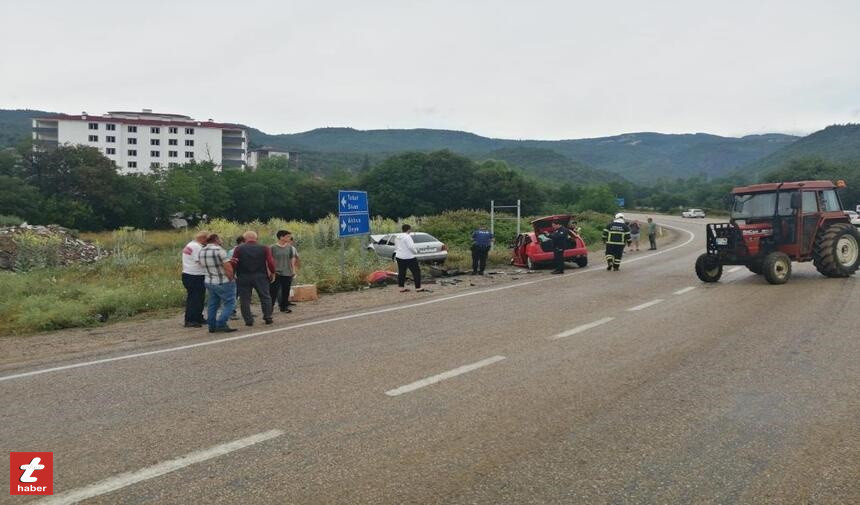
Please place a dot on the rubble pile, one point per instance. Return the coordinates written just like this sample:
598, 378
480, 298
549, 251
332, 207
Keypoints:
68, 249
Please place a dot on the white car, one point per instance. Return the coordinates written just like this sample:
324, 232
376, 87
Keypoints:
429, 247
693, 213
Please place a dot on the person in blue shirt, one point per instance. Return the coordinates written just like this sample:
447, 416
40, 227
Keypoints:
482, 241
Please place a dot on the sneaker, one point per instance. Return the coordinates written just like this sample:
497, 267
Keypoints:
269, 320
225, 329
189, 324
286, 310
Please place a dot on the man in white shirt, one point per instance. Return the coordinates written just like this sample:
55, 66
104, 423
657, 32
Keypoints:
404, 254
193, 275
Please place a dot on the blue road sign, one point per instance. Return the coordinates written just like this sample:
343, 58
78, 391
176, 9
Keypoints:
352, 201
619, 202
354, 224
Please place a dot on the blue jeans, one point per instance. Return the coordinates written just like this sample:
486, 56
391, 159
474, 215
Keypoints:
224, 296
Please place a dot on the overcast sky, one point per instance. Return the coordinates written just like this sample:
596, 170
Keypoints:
513, 69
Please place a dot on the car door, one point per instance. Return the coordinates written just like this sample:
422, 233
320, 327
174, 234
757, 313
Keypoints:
809, 220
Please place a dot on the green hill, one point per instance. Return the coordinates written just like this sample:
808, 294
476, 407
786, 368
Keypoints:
15, 125
550, 165
834, 143
639, 157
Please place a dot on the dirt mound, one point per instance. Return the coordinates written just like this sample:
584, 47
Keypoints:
52, 245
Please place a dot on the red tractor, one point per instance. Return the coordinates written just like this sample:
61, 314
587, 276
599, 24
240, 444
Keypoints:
774, 224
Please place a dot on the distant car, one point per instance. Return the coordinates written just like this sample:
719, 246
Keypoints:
693, 213
534, 248
429, 248
854, 217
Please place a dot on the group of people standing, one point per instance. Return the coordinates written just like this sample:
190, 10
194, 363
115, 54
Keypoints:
619, 234
249, 266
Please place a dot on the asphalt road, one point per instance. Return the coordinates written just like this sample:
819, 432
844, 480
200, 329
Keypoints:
641, 386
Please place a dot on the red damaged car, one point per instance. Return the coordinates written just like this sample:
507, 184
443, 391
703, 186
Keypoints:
534, 248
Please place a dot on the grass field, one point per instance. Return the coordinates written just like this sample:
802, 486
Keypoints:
142, 275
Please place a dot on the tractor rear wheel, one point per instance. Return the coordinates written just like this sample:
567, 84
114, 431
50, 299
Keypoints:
756, 267
708, 268
777, 268
837, 250
581, 261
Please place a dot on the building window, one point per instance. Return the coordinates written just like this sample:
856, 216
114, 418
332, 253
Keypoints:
132, 152
155, 129
173, 165
154, 142
132, 164
94, 126
110, 138
155, 164
110, 150
154, 154
110, 127
189, 154
189, 131
173, 154
132, 140
94, 138
173, 142
132, 129
173, 130
189, 143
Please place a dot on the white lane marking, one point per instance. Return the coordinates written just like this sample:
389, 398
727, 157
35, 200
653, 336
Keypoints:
122, 480
645, 305
339, 318
685, 290
581, 328
733, 270
442, 376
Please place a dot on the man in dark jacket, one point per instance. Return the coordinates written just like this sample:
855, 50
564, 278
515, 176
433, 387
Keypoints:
255, 268
616, 236
482, 242
559, 236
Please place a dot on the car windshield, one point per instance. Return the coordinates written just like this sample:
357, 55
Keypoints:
760, 205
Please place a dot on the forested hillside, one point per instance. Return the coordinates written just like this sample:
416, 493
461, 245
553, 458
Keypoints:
639, 157
836, 143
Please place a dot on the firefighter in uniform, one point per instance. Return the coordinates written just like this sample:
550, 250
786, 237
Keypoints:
558, 235
616, 236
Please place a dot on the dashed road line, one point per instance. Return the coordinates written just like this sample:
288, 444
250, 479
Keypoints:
581, 328
122, 480
645, 305
408, 388
685, 290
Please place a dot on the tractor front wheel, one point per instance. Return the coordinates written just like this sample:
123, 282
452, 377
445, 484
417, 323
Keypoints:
837, 250
708, 268
777, 268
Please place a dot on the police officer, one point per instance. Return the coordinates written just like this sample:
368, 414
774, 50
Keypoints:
616, 236
482, 241
559, 236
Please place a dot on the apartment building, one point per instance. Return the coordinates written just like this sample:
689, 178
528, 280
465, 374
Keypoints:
142, 141
255, 156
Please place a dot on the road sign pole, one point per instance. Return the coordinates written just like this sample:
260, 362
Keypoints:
492, 219
518, 218
342, 260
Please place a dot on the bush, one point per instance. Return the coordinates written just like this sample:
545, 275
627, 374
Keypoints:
8, 220
35, 251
